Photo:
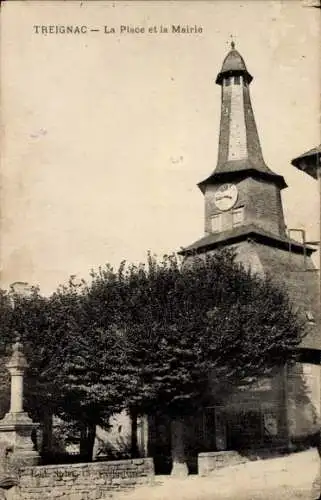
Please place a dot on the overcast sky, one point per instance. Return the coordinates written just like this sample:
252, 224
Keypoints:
105, 136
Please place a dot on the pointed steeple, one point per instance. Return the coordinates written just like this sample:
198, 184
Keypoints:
239, 145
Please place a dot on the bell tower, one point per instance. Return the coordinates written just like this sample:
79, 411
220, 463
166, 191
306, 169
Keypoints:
243, 212
243, 206
242, 190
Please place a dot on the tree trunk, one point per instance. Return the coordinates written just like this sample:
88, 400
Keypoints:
46, 445
91, 440
179, 467
134, 445
83, 438
87, 441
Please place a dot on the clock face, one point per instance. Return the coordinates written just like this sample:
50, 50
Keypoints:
225, 197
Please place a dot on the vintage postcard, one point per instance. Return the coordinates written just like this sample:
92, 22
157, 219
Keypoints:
181, 127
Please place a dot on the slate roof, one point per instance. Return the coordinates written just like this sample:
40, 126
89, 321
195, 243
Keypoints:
311, 152
240, 233
254, 163
234, 167
233, 64
309, 161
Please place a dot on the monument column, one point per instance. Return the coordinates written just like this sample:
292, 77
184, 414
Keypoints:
16, 367
16, 426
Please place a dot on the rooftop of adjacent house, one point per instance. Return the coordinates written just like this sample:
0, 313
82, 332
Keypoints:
309, 162
311, 153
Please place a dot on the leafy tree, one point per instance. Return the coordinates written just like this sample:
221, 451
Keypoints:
89, 369
5, 340
39, 322
159, 337
75, 358
194, 332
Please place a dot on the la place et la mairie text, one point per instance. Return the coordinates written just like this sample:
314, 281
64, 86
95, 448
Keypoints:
123, 29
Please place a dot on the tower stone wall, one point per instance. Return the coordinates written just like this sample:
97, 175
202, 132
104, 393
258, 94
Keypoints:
261, 203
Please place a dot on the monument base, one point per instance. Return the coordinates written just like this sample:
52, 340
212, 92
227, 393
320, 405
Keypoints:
16, 429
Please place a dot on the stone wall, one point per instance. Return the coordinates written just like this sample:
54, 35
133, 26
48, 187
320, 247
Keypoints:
90, 481
209, 462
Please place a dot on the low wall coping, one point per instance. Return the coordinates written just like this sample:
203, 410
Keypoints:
100, 463
216, 453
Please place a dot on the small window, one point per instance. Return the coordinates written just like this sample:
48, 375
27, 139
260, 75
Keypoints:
216, 223
237, 80
227, 81
238, 216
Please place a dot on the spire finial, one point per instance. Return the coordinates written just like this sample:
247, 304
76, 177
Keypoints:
232, 45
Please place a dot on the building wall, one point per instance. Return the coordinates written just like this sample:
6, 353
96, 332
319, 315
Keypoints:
303, 386
301, 280
291, 271
261, 201
115, 441
254, 414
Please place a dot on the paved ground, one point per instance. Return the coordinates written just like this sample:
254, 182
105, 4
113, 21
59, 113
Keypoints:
284, 478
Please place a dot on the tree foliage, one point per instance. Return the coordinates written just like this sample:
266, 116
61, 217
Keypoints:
75, 357
209, 320
156, 337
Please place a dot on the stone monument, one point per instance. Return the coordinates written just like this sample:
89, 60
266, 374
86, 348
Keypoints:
16, 427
